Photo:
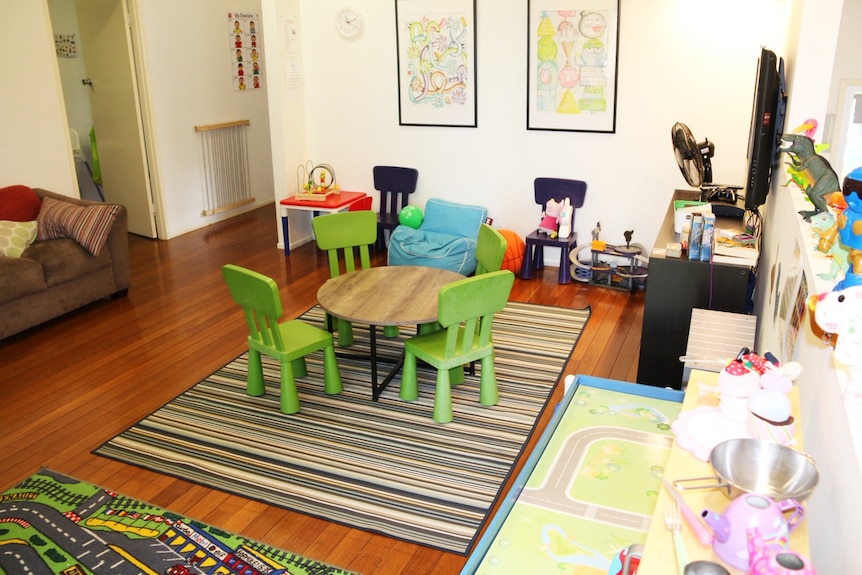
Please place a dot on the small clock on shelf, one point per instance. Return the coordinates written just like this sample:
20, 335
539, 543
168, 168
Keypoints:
348, 23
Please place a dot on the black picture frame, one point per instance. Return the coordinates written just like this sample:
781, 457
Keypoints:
573, 52
436, 48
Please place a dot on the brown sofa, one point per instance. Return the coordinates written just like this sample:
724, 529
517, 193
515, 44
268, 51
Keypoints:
53, 277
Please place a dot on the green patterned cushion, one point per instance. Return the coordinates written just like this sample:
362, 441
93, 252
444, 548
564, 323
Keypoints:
87, 225
15, 237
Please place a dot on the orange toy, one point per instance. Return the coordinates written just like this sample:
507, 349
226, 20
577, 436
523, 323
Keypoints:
514, 256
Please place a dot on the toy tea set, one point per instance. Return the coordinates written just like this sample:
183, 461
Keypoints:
746, 440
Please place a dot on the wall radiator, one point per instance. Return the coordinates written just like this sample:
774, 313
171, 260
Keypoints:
224, 149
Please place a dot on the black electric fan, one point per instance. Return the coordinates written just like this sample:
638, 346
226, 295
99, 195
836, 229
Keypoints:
695, 162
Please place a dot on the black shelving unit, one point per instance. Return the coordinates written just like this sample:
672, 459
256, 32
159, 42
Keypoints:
675, 287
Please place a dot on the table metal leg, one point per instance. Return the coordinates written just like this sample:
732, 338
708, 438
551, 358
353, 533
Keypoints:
375, 393
377, 388
284, 234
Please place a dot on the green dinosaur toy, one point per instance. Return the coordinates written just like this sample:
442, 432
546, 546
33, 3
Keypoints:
820, 179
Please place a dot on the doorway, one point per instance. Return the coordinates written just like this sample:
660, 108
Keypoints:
848, 153
103, 87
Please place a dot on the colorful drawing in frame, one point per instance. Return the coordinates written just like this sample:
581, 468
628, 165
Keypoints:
572, 65
436, 62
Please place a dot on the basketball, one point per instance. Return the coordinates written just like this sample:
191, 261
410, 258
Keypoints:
514, 255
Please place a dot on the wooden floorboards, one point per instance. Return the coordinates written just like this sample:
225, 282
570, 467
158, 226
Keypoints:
71, 384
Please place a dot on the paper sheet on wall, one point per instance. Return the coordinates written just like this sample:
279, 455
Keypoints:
245, 38
292, 67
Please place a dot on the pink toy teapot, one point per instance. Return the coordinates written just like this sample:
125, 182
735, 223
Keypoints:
752, 511
764, 560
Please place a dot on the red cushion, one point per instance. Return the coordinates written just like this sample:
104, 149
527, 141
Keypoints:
19, 204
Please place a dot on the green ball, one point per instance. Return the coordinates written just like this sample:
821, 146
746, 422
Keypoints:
411, 216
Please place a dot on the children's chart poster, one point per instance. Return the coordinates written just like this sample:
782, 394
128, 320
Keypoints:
246, 51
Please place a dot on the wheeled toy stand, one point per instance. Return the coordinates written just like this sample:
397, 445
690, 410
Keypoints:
628, 273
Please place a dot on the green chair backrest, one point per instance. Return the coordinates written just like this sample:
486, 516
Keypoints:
258, 296
472, 301
350, 232
490, 250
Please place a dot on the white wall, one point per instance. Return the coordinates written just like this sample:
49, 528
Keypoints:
287, 104
34, 139
188, 78
187, 82
675, 65
64, 20
832, 431
677, 62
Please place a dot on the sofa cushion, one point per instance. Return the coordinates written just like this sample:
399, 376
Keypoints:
19, 277
15, 237
89, 226
19, 204
445, 217
64, 260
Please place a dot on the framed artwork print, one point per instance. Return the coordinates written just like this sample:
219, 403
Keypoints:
436, 62
572, 65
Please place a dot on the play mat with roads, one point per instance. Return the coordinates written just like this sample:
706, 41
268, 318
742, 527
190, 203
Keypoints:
590, 487
51, 524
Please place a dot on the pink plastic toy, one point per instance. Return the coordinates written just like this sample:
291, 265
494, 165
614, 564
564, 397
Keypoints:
551, 217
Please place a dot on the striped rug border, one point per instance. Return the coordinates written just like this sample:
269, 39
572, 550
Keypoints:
347, 459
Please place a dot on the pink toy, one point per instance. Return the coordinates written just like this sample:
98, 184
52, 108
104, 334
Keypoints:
551, 217
736, 383
764, 560
752, 511
753, 389
840, 313
770, 418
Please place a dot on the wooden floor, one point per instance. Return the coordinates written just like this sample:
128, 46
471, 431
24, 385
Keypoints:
71, 384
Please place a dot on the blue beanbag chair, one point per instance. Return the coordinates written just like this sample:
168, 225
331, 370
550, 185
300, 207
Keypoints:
446, 239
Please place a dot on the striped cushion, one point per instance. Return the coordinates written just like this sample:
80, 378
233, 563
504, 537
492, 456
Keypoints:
87, 225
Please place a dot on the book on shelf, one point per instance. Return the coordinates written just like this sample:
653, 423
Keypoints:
736, 255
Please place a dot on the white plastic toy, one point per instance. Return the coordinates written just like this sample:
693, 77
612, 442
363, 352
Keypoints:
840, 313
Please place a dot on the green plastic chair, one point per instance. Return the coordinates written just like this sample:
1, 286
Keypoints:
490, 250
289, 342
346, 236
462, 305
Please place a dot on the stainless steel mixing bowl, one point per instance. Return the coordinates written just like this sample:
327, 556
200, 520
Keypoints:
764, 467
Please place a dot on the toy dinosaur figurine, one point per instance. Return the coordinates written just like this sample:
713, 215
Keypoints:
596, 231
821, 180
826, 229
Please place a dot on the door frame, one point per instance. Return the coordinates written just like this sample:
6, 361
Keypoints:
846, 102
134, 37
135, 50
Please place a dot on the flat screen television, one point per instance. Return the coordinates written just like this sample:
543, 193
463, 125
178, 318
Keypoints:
767, 125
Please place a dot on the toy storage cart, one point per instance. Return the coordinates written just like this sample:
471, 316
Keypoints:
616, 267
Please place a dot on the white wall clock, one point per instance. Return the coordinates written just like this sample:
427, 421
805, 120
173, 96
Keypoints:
348, 22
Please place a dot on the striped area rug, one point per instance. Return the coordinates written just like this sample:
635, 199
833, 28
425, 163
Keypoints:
381, 466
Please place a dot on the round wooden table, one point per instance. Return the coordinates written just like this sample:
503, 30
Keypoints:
385, 295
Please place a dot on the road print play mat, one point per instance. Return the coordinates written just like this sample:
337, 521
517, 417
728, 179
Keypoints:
51, 524
590, 487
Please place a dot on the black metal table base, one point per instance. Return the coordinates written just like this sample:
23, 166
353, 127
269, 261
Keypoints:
377, 387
